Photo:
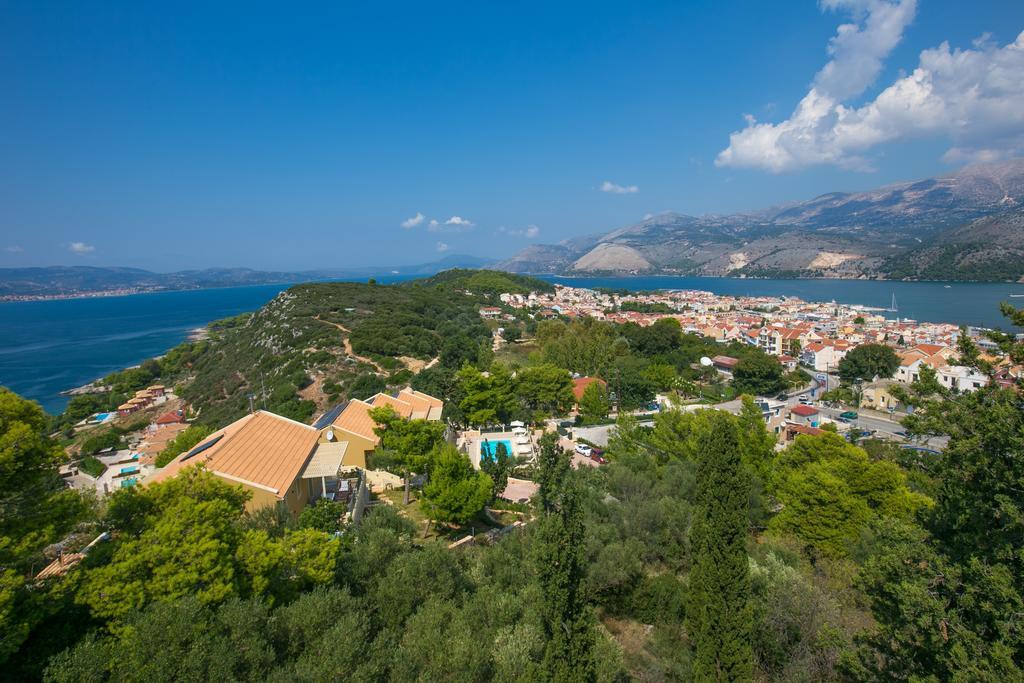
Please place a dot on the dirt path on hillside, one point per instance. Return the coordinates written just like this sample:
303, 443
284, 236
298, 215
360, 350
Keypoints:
414, 364
348, 345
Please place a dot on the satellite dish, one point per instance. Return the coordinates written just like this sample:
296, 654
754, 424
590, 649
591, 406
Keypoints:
706, 362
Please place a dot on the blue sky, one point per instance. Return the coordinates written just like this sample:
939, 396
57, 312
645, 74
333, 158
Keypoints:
257, 135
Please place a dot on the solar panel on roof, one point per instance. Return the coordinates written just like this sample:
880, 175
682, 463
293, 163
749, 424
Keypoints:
330, 416
202, 447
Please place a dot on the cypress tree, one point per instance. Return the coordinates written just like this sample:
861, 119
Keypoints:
559, 555
561, 568
719, 618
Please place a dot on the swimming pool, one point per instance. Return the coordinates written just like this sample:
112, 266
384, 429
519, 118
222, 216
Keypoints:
489, 448
102, 417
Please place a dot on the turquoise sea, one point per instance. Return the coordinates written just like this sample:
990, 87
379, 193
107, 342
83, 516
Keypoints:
50, 346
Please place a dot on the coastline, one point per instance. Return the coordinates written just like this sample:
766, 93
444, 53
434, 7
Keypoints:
114, 293
134, 291
584, 276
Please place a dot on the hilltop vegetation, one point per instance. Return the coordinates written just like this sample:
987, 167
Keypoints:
489, 282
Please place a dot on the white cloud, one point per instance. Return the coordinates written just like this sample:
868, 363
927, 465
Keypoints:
529, 232
453, 224
615, 188
13, 249
857, 49
410, 223
441, 246
81, 248
973, 97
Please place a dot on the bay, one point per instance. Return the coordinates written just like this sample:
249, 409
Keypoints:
50, 346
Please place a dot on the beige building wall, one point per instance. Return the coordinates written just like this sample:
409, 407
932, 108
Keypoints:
295, 498
358, 447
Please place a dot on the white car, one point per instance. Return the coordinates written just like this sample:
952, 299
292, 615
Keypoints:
583, 449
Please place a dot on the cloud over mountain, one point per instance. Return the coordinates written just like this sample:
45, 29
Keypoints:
974, 97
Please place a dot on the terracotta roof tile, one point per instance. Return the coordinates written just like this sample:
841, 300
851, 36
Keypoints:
403, 408
263, 449
356, 419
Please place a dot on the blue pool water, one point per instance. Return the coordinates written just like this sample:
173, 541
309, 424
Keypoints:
102, 417
490, 447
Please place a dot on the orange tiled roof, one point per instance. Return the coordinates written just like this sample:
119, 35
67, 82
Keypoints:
929, 349
403, 408
261, 449
424, 405
580, 385
356, 419
409, 393
909, 358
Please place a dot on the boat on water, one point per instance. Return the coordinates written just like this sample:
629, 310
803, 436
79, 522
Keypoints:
1016, 296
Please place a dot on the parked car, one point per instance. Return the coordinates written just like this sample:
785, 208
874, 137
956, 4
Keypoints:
584, 450
782, 397
806, 400
849, 415
597, 457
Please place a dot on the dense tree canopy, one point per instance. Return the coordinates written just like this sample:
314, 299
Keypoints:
830, 490
868, 361
455, 491
759, 374
35, 510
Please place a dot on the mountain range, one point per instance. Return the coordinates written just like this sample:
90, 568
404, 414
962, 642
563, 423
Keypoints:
59, 281
965, 225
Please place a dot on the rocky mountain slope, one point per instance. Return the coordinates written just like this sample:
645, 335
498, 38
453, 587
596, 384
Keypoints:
923, 229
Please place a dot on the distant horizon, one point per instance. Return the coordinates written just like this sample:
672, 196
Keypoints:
442, 257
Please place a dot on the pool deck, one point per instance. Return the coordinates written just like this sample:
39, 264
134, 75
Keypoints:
474, 440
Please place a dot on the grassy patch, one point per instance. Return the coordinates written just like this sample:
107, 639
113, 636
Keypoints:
92, 466
438, 532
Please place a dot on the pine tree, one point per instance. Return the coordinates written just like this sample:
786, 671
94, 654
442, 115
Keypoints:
719, 619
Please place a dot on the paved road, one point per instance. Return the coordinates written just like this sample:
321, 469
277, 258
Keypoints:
886, 428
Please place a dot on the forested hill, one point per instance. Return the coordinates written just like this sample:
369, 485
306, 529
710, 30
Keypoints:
327, 341
487, 282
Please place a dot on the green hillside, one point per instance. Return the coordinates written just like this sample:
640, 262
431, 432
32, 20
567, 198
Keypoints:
300, 338
486, 282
